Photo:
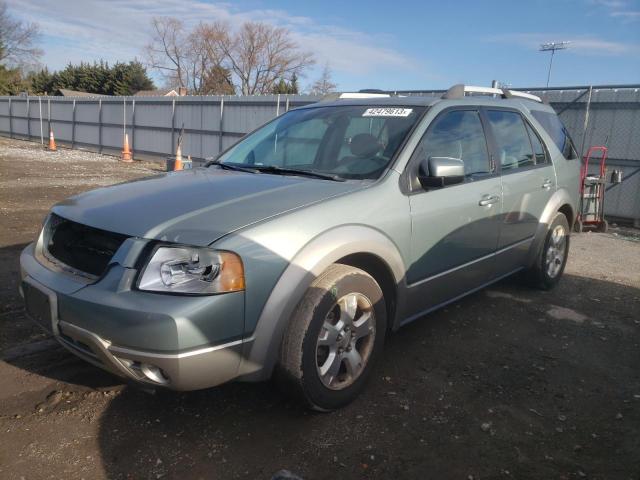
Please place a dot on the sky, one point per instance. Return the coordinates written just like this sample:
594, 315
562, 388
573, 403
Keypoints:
401, 45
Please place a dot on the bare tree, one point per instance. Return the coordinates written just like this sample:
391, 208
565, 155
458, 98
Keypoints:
191, 59
324, 84
260, 54
211, 58
17, 40
167, 51
207, 75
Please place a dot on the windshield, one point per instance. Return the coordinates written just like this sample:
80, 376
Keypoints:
344, 141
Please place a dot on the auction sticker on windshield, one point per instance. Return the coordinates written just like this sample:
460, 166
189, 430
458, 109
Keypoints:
387, 112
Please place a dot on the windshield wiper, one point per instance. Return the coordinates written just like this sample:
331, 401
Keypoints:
294, 171
229, 166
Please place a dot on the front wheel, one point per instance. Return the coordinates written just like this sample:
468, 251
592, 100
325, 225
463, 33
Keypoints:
335, 335
548, 268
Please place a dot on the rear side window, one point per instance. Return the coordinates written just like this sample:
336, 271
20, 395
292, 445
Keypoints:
538, 148
558, 133
457, 134
512, 139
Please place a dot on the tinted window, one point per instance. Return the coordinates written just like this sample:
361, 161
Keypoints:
538, 149
558, 133
512, 139
457, 134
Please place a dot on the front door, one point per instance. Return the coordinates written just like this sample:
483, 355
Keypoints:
528, 181
455, 228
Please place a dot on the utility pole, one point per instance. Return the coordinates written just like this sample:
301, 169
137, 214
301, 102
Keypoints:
552, 47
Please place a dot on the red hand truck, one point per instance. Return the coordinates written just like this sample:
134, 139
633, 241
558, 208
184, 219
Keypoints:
592, 187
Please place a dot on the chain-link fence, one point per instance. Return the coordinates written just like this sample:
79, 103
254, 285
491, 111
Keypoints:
598, 115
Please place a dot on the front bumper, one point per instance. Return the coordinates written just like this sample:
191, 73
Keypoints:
182, 343
191, 370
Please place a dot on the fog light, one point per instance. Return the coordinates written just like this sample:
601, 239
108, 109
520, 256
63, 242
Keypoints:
154, 373
145, 371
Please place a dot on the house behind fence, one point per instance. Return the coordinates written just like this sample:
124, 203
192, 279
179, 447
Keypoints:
596, 115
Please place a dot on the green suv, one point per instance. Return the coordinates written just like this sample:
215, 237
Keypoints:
299, 249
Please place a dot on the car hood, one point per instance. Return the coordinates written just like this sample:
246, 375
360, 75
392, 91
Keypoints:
195, 207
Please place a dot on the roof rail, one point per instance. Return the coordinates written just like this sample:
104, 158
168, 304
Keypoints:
364, 95
460, 90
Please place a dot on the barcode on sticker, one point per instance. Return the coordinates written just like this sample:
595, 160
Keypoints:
387, 112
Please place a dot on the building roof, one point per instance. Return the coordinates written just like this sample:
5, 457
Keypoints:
166, 92
74, 93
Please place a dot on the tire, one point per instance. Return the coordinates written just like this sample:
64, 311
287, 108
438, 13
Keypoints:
603, 227
552, 258
578, 227
325, 357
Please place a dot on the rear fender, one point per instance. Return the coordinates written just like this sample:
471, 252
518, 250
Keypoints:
560, 198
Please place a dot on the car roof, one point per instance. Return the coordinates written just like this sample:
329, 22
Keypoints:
428, 101
391, 101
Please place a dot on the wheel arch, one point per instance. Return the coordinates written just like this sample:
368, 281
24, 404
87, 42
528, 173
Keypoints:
356, 245
381, 273
560, 202
567, 210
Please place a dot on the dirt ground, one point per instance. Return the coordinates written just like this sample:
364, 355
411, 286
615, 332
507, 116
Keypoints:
506, 383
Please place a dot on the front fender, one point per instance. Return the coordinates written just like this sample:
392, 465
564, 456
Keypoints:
262, 353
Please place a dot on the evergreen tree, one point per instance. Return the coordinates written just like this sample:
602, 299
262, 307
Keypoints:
98, 78
289, 88
293, 86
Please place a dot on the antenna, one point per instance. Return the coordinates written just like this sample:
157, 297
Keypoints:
552, 47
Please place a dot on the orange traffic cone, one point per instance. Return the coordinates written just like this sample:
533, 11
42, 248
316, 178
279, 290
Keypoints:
52, 141
178, 163
126, 152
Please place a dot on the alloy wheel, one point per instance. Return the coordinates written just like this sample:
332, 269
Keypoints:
556, 251
345, 341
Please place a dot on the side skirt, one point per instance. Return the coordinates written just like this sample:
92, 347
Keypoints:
456, 298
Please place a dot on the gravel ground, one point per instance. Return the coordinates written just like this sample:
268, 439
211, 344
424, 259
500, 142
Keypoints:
506, 383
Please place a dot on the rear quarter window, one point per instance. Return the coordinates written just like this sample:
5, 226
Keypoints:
557, 131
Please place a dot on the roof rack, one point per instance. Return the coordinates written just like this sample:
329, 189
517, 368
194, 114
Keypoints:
365, 94
460, 90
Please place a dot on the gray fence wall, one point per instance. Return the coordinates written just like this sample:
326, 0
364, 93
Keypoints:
211, 123
593, 115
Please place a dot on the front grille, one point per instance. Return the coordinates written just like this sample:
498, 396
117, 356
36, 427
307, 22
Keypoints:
83, 248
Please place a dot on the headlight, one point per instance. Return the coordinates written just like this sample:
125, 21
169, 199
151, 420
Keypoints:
192, 270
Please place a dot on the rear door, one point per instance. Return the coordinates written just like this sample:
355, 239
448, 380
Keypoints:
455, 228
528, 181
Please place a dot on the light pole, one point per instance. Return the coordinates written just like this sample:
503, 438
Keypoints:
552, 47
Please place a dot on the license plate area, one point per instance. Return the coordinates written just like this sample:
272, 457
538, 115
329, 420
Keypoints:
41, 305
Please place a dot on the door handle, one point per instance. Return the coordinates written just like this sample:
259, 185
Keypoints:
547, 184
487, 200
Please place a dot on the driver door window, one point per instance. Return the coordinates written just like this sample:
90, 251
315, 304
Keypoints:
457, 134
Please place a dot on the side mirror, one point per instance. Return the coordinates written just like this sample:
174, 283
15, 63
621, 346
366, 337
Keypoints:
440, 171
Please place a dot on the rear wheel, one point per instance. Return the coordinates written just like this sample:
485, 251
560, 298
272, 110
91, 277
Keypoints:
335, 336
549, 266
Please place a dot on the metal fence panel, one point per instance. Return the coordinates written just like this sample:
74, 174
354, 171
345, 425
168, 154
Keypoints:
214, 123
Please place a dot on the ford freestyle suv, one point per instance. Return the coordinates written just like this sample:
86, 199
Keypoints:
300, 248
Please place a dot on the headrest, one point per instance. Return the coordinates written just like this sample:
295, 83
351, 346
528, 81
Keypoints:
364, 145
